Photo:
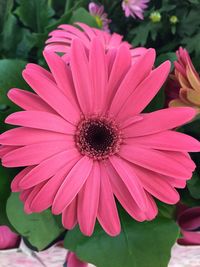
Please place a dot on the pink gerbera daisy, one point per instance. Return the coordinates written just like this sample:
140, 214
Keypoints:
84, 140
97, 11
134, 8
61, 40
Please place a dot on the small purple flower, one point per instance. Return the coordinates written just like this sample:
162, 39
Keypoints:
97, 11
134, 8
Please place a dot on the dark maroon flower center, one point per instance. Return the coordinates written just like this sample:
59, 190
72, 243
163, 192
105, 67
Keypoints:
97, 138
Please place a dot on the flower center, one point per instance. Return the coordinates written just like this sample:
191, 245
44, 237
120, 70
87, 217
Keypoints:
98, 138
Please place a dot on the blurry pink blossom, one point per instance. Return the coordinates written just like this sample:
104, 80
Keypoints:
8, 239
134, 8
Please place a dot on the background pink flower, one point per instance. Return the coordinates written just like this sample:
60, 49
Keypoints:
84, 139
73, 261
97, 11
8, 239
134, 8
61, 39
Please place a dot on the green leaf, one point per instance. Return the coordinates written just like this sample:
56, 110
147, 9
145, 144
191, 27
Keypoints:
40, 229
35, 14
10, 77
82, 15
194, 186
5, 179
146, 244
171, 56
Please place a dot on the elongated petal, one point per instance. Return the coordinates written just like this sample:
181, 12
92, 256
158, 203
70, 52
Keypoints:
119, 68
6, 149
53, 96
190, 219
62, 77
69, 215
99, 76
28, 100
81, 76
168, 140
22, 136
45, 197
161, 162
133, 78
160, 120
131, 180
15, 182
123, 195
33, 154
144, 92
88, 201
40, 120
72, 184
47, 168
157, 186
31, 196
107, 211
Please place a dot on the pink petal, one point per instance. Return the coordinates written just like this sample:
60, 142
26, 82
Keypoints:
88, 201
145, 91
99, 75
69, 215
22, 136
72, 184
33, 154
62, 75
123, 195
40, 120
6, 149
107, 211
81, 76
19, 177
160, 120
47, 168
152, 209
31, 196
137, 73
28, 100
157, 185
168, 140
53, 96
130, 179
88, 30
45, 197
161, 162
25, 194
119, 68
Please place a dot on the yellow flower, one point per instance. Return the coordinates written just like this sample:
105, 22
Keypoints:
155, 17
173, 19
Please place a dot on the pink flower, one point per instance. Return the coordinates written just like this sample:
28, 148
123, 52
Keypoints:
188, 80
73, 261
134, 8
97, 11
61, 40
189, 221
8, 239
84, 140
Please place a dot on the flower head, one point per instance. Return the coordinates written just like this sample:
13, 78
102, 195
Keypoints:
8, 239
173, 19
97, 11
155, 17
134, 8
189, 81
189, 222
84, 140
73, 261
61, 40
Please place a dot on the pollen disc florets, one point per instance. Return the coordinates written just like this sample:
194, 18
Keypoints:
98, 137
